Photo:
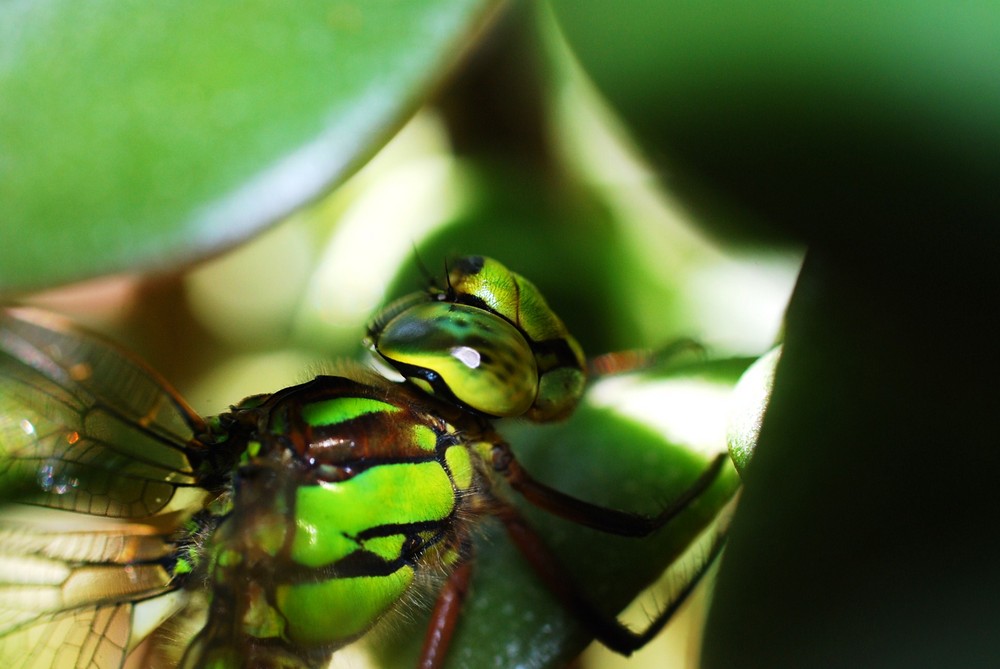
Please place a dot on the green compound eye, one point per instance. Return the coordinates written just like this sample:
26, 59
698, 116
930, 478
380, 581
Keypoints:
489, 342
476, 357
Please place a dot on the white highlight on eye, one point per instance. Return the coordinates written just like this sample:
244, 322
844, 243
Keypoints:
467, 356
27, 426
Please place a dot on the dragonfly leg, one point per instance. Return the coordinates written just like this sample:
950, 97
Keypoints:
600, 518
445, 617
634, 360
607, 629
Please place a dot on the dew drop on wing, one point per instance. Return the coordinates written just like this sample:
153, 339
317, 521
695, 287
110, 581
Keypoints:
49, 482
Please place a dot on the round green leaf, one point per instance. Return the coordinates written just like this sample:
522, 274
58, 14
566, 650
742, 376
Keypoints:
140, 135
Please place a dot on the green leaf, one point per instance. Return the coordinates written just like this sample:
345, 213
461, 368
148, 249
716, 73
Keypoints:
802, 116
141, 135
750, 399
862, 535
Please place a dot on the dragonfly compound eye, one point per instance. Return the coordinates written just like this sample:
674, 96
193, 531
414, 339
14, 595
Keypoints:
488, 341
463, 353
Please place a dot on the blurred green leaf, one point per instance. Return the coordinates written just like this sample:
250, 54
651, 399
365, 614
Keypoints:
812, 117
859, 540
146, 135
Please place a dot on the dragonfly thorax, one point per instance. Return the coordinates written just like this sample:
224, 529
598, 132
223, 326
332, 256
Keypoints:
341, 500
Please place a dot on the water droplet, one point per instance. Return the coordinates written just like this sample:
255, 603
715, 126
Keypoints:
49, 481
45, 477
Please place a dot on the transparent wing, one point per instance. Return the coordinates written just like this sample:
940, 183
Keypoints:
70, 585
85, 427
94, 638
96, 478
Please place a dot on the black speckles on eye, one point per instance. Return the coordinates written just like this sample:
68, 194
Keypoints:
479, 343
470, 264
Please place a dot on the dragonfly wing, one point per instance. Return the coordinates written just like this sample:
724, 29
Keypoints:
85, 427
97, 474
91, 638
67, 592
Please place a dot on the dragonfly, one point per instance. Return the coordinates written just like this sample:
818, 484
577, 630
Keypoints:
289, 526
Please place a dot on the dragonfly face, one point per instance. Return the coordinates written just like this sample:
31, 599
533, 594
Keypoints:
289, 526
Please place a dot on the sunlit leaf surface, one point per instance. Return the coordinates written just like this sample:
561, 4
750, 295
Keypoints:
140, 135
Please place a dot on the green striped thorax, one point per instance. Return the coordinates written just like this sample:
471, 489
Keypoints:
342, 498
488, 342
